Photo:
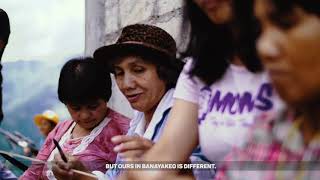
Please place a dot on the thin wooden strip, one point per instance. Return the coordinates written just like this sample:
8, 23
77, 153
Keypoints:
44, 162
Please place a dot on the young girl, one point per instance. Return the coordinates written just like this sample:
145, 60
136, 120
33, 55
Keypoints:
85, 89
217, 95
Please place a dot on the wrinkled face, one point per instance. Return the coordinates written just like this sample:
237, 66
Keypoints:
139, 82
218, 11
289, 48
45, 127
88, 116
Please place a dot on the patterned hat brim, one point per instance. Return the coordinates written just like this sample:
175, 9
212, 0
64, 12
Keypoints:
106, 54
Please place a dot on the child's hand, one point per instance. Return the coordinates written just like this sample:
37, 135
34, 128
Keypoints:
62, 170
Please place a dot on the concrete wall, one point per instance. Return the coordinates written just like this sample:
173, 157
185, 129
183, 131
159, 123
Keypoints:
106, 18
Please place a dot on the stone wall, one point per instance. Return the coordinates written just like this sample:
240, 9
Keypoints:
106, 18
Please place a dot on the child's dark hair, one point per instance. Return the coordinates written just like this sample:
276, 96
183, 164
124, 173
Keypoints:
82, 81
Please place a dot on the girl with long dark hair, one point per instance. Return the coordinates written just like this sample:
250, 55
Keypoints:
222, 87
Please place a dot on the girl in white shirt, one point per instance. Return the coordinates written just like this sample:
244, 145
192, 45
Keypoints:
220, 90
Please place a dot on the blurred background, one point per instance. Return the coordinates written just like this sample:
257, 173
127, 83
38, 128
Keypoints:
44, 34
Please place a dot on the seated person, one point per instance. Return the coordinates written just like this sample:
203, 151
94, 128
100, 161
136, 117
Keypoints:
85, 89
46, 122
288, 146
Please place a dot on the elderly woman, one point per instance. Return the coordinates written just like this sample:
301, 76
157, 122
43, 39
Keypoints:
85, 89
289, 46
146, 70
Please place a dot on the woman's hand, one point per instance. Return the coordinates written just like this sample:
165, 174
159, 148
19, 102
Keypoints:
131, 147
63, 170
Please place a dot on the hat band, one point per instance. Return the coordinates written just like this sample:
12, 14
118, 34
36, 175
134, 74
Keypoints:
149, 46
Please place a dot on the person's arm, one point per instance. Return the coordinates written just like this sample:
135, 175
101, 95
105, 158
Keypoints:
179, 138
180, 135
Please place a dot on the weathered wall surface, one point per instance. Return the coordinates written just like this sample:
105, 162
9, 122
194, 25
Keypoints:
106, 18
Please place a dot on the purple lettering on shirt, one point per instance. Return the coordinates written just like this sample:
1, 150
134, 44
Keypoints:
228, 101
246, 101
265, 93
234, 103
204, 99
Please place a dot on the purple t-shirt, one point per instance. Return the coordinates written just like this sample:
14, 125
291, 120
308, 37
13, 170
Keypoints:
227, 108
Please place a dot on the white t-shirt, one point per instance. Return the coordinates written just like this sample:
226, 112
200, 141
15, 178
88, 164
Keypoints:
227, 108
